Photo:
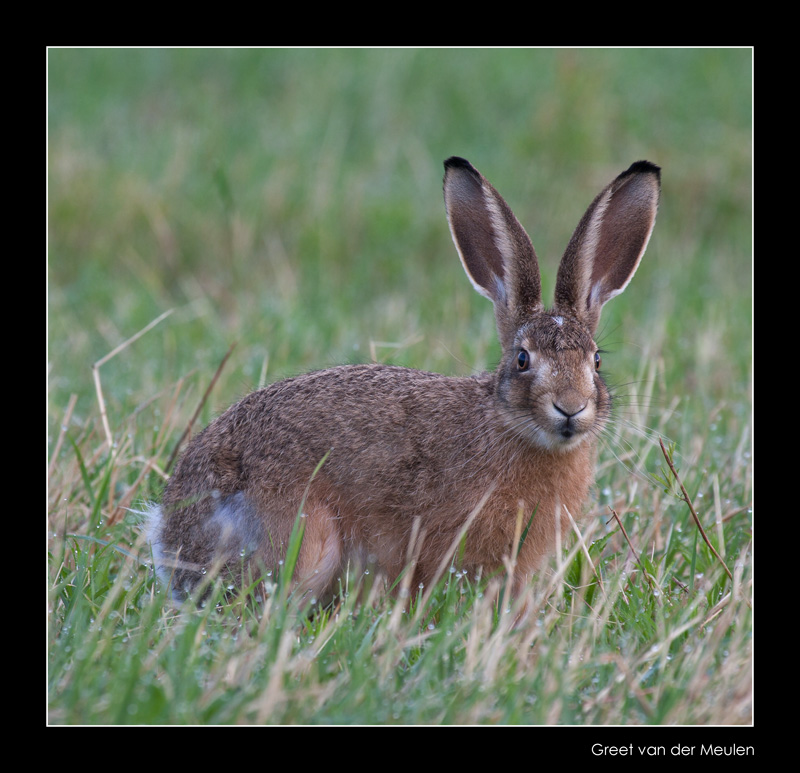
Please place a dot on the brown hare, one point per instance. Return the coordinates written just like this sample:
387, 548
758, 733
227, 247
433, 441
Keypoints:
410, 456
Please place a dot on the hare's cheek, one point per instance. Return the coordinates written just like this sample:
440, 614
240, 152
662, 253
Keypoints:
602, 399
524, 392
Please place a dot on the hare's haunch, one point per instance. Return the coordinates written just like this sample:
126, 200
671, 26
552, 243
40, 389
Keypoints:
409, 456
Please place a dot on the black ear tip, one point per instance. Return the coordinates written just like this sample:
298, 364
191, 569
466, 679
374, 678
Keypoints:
456, 162
459, 168
644, 167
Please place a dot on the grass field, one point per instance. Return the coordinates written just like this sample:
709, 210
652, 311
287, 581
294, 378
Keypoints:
289, 202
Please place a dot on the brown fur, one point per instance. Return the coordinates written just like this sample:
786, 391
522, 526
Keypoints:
408, 452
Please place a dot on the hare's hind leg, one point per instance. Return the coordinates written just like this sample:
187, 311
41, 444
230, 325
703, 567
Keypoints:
319, 562
244, 538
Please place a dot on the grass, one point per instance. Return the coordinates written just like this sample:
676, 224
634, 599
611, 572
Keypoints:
289, 202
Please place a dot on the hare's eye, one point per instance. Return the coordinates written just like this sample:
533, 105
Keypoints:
598, 360
523, 360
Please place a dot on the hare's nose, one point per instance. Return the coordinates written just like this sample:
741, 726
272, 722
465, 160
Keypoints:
569, 412
569, 407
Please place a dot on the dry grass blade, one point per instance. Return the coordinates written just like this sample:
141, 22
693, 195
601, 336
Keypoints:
64, 424
685, 497
96, 373
633, 549
199, 408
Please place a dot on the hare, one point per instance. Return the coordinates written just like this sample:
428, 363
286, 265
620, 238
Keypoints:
411, 461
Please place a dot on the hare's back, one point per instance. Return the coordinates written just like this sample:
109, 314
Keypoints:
367, 424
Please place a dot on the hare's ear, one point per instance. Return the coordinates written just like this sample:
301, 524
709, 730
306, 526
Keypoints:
494, 249
608, 243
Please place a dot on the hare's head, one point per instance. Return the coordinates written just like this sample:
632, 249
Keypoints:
549, 389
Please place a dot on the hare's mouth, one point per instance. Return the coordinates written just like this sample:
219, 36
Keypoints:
551, 433
564, 437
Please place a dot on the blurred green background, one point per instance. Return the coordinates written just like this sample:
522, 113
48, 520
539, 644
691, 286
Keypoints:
290, 200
